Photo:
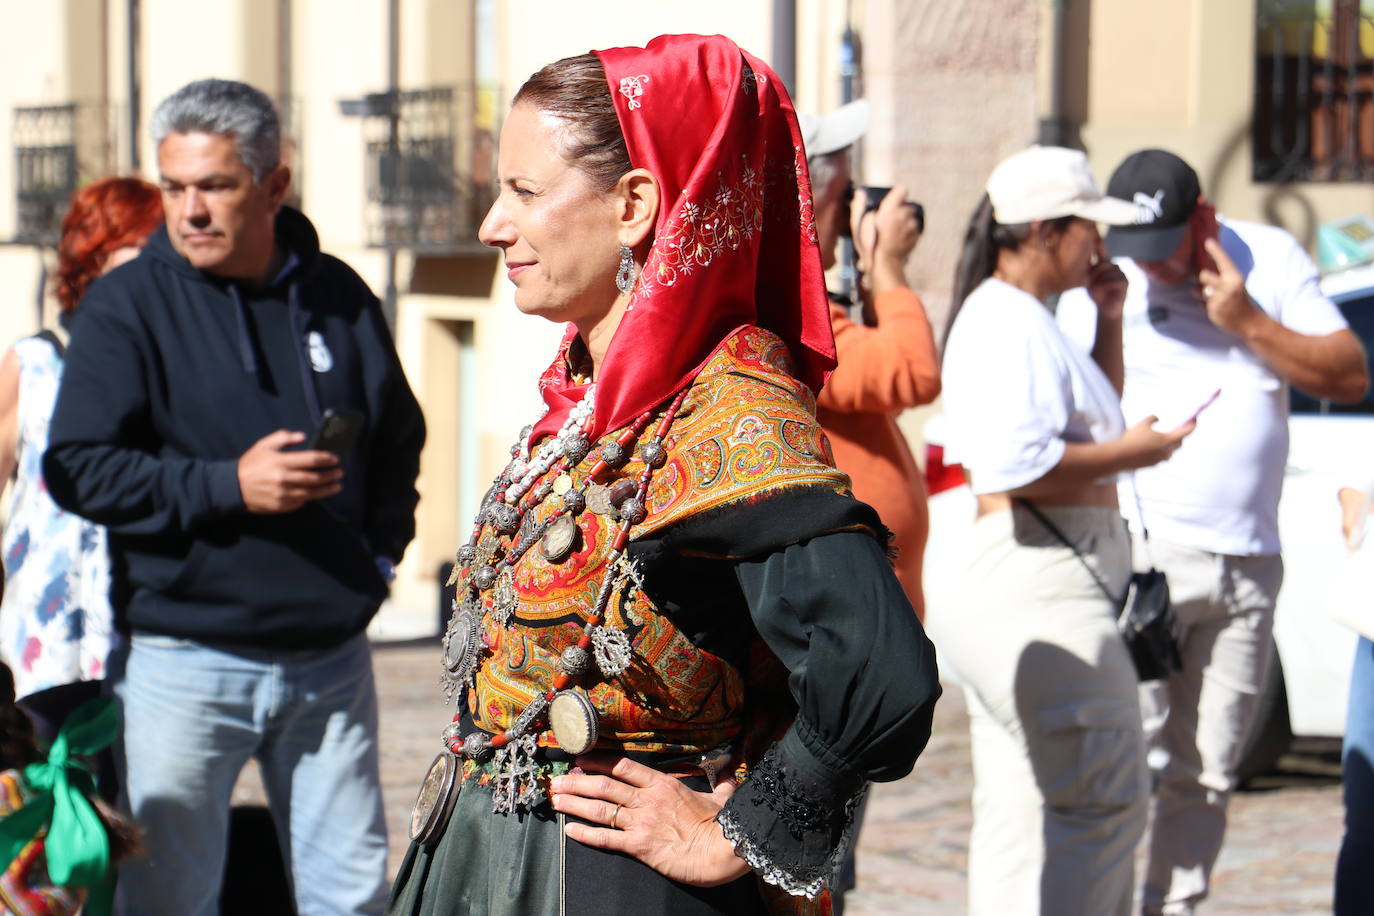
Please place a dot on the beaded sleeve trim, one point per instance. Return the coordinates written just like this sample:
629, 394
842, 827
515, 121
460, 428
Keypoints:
772, 785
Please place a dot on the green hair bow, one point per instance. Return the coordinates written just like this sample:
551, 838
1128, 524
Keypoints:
77, 845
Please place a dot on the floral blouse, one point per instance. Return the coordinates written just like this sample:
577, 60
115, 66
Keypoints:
55, 617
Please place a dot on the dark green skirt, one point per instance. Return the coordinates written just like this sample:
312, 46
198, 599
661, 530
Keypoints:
489, 864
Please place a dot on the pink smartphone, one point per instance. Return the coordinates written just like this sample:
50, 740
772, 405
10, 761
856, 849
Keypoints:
1201, 407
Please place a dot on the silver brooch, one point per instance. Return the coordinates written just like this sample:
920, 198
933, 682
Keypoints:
462, 642
612, 650
504, 600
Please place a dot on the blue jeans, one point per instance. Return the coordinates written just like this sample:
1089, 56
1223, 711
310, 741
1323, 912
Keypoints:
1354, 880
193, 715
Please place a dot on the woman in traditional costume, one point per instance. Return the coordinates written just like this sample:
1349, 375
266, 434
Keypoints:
678, 651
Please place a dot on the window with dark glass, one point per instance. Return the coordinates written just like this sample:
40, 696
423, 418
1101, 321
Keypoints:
1314, 91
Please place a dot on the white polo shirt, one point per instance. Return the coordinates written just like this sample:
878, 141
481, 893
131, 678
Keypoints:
1220, 491
1016, 390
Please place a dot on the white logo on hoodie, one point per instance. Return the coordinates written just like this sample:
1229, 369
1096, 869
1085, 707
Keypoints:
321, 360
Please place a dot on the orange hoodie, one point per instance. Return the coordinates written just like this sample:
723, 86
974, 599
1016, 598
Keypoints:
882, 371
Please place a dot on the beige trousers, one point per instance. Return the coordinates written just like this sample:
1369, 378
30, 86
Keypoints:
1060, 784
1225, 609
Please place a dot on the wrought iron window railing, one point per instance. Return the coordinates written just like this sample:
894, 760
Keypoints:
1314, 91
57, 148
431, 166
45, 170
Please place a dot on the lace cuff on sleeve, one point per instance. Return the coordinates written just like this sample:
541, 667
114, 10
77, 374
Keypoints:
792, 819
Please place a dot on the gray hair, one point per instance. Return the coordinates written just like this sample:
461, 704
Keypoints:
215, 106
823, 168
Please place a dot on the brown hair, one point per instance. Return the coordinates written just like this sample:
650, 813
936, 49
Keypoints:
983, 240
575, 90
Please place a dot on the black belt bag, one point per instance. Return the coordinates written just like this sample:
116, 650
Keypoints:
1145, 618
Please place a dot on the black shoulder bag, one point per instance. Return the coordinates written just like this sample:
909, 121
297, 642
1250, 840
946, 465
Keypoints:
1145, 618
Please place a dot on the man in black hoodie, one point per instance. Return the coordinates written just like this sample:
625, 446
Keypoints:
247, 565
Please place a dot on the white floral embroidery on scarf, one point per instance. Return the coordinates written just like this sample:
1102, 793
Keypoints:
805, 205
632, 87
718, 220
750, 81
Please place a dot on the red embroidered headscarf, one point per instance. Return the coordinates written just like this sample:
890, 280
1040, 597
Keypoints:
735, 241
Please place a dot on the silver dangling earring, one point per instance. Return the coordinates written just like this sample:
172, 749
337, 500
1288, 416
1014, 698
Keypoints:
625, 276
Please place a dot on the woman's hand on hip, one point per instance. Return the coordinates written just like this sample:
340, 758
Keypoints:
651, 816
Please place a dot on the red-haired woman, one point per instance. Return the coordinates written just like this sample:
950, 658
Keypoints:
55, 614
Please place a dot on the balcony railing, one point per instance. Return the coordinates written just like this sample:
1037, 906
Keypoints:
430, 166
1314, 91
58, 148
45, 169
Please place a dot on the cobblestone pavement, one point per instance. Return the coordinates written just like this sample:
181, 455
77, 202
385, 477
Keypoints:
1278, 855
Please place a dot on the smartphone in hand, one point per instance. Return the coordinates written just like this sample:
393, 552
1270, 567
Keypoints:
1204, 225
337, 432
1201, 407
1170, 420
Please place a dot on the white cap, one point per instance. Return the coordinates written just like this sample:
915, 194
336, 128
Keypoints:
1047, 182
829, 133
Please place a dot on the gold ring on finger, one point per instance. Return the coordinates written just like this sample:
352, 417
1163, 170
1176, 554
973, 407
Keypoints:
615, 812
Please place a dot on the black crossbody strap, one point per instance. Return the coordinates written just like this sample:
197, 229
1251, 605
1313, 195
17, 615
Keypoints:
1054, 529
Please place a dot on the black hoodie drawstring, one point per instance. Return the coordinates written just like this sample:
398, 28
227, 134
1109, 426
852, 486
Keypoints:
299, 322
246, 352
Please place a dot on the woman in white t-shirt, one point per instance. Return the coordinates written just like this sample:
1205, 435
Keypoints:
1060, 782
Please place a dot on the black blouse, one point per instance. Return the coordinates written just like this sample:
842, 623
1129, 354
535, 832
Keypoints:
861, 670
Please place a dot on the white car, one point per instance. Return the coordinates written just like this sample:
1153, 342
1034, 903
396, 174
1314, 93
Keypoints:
1307, 693
1307, 690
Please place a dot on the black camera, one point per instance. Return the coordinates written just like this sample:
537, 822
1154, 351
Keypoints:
873, 197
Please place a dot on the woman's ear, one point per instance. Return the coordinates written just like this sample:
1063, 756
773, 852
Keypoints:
637, 203
1048, 234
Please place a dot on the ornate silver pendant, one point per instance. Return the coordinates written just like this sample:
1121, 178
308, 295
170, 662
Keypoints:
557, 543
612, 650
488, 549
630, 582
462, 642
530, 531
434, 803
573, 720
504, 599
516, 785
